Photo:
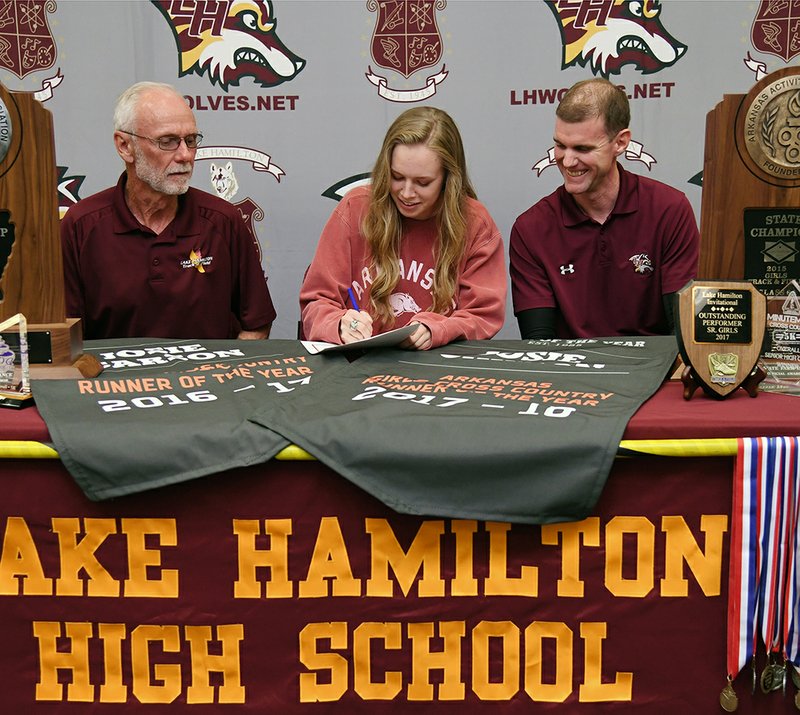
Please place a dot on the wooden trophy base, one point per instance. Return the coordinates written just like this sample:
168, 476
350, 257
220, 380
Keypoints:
15, 400
55, 351
749, 384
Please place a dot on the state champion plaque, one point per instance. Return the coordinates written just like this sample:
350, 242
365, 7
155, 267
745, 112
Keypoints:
720, 330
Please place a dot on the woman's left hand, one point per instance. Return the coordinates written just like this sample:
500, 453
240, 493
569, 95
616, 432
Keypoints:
420, 339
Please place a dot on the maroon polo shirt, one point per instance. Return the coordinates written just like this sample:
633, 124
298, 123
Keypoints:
605, 279
200, 278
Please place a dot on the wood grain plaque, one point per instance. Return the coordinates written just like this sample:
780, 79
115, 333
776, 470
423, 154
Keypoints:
720, 330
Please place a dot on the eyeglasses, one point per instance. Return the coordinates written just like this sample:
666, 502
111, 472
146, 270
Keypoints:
171, 143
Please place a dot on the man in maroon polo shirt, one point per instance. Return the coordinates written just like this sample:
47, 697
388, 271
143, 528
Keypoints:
604, 253
153, 257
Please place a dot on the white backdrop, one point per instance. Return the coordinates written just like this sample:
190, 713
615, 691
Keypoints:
496, 65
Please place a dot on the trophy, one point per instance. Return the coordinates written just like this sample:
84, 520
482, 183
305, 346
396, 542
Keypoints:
31, 269
15, 383
781, 357
720, 330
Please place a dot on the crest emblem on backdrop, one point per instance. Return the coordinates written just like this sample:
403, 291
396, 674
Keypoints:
230, 40
406, 40
251, 212
226, 186
26, 43
606, 35
776, 29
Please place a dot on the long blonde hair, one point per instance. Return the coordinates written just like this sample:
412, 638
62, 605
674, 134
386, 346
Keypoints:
383, 225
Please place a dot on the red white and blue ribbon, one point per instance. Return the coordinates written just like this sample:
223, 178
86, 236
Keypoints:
764, 582
791, 636
743, 573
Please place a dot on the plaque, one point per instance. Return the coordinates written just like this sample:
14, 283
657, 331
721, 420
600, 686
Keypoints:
771, 248
781, 357
720, 330
15, 384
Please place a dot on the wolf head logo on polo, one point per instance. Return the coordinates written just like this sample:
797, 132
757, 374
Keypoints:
776, 29
606, 35
230, 39
641, 263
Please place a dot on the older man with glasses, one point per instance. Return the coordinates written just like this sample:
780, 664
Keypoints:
153, 257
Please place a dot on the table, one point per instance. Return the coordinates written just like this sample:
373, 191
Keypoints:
284, 588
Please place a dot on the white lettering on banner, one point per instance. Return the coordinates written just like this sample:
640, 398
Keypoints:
162, 355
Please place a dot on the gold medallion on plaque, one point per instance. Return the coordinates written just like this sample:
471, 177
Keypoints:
768, 128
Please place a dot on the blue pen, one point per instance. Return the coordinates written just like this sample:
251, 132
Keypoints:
353, 299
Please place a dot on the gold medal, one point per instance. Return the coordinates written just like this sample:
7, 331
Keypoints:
767, 680
729, 701
796, 700
779, 669
795, 676
773, 677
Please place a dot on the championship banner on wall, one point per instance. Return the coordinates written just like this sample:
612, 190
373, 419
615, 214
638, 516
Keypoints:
518, 431
164, 411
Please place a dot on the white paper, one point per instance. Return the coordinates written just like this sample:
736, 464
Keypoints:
384, 340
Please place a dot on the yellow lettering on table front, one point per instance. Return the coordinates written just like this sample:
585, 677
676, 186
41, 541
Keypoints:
593, 689
644, 531
311, 689
113, 690
165, 684
682, 546
499, 583
329, 561
423, 660
391, 635
276, 558
75, 661
21, 571
140, 558
424, 554
78, 555
535, 686
508, 685
226, 663
464, 582
571, 534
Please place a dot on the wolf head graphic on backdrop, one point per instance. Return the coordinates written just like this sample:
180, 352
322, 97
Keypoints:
609, 34
230, 39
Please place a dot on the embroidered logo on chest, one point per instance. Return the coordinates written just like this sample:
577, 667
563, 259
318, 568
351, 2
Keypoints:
568, 268
197, 260
641, 263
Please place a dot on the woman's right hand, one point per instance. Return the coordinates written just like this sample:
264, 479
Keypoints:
355, 325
